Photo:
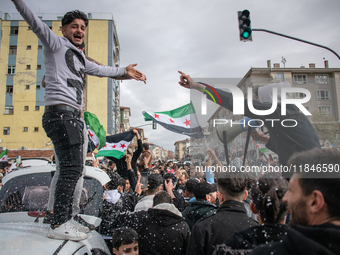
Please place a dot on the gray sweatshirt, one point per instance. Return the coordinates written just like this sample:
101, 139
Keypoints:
65, 64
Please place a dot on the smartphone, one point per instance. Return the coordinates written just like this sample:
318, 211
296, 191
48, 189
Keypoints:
144, 179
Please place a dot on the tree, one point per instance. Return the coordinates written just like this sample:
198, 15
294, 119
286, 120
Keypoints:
326, 127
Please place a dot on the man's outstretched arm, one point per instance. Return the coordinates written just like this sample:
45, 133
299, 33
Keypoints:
129, 72
48, 38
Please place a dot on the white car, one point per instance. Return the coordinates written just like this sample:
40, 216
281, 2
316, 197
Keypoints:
24, 197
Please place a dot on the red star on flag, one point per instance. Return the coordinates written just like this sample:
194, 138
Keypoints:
105, 146
90, 134
113, 146
171, 121
3, 158
187, 122
156, 116
122, 145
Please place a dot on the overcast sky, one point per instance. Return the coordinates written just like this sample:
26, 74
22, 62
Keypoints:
201, 38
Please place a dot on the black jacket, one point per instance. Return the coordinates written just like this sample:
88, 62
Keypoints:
231, 217
283, 140
126, 203
178, 201
248, 239
319, 240
197, 210
160, 231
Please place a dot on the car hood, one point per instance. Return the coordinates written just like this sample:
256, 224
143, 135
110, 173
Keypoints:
31, 238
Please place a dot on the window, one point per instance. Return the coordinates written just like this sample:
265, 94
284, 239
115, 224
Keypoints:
38, 67
9, 109
280, 77
11, 70
28, 47
321, 79
126, 116
322, 95
300, 78
299, 95
6, 130
36, 129
324, 110
12, 50
25, 129
37, 108
39, 47
14, 30
9, 88
27, 86
26, 108
28, 67
38, 86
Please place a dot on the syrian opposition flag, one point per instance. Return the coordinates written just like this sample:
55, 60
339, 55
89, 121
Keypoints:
182, 120
116, 145
95, 130
3, 156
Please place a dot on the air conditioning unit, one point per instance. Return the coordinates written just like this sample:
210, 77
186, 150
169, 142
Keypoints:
2, 148
23, 147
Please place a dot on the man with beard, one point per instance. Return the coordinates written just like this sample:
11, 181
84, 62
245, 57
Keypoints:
313, 200
66, 66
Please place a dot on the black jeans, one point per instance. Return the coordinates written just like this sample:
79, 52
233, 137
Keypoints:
65, 129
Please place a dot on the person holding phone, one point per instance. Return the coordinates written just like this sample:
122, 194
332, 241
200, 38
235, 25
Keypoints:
153, 186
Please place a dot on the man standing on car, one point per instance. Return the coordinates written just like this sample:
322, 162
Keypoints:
66, 66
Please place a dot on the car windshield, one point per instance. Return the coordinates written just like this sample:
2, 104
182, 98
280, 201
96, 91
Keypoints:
30, 193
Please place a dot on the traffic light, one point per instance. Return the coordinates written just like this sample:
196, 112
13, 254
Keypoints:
244, 25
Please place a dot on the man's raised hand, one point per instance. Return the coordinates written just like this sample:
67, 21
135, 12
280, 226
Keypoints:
187, 82
135, 74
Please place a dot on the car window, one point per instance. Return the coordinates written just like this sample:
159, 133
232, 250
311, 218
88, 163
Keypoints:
30, 193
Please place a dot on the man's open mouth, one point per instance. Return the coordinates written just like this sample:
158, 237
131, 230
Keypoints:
77, 37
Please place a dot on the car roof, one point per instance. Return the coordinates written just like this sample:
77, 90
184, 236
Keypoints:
30, 238
91, 172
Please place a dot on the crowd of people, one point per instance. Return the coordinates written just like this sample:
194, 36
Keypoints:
179, 210
181, 213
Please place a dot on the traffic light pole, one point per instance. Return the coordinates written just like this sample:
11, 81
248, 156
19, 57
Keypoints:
296, 39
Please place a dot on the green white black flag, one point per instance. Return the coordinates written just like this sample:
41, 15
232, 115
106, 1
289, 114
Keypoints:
182, 120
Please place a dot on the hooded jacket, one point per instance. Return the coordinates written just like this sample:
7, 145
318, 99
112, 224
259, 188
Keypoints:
283, 140
231, 217
161, 229
144, 203
248, 239
312, 240
114, 204
197, 210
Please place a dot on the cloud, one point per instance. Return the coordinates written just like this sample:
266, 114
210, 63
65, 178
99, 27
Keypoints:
201, 38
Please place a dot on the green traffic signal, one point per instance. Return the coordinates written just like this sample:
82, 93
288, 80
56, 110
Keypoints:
244, 25
246, 33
